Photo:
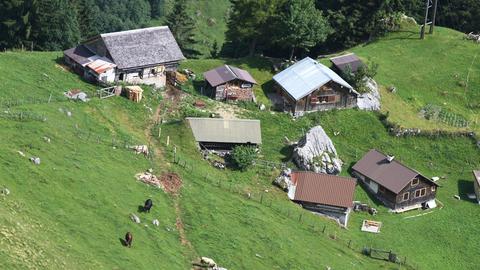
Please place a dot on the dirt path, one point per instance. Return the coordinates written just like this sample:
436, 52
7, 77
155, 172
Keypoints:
174, 195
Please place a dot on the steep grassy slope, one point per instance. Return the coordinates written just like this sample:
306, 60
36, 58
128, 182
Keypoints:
70, 211
454, 158
442, 70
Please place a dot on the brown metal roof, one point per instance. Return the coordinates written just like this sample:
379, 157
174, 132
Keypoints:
324, 188
341, 62
392, 175
477, 176
226, 73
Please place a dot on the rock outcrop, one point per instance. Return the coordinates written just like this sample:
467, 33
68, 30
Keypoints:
316, 152
369, 101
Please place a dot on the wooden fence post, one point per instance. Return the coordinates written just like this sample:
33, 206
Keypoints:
324, 227
50, 98
261, 198
300, 218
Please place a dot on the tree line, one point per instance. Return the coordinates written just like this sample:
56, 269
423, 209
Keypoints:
59, 24
284, 27
275, 27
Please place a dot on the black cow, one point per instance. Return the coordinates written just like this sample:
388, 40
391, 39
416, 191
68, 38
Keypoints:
148, 205
128, 239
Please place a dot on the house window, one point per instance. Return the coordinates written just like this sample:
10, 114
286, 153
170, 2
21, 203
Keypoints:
405, 196
381, 189
415, 182
433, 188
420, 192
327, 99
367, 181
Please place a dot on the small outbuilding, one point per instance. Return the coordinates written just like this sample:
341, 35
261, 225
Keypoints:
346, 63
308, 86
326, 194
229, 83
399, 187
476, 184
224, 134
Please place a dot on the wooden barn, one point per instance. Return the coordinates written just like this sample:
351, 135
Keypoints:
346, 63
396, 185
476, 184
140, 56
308, 86
224, 134
229, 83
326, 194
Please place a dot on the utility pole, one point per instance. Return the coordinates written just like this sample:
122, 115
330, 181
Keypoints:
429, 4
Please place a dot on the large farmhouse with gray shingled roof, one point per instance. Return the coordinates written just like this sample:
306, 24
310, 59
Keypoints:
396, 185
133, 56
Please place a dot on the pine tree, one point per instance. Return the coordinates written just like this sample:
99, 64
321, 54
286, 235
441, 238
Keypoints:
182, 25
55, 25
302, 25
157, 8
250, 23
15, 22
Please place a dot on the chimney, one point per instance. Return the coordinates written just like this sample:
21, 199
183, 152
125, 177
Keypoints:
390, 158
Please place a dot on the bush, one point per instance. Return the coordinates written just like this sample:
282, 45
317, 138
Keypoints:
357, 79
244, 156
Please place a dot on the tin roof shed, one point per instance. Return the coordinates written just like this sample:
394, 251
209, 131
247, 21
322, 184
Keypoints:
216, 130
305, 76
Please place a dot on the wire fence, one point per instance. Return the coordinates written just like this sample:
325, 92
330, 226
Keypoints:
9, 102
310, 221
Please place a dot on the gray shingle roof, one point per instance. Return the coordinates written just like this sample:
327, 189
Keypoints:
142, 47
225, 130
305, 76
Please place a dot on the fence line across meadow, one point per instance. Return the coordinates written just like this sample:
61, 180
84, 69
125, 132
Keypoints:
308, 220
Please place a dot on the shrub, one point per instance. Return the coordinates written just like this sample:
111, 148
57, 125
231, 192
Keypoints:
244, 156
357, 79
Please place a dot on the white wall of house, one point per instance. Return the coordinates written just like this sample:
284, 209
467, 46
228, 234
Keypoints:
108, 76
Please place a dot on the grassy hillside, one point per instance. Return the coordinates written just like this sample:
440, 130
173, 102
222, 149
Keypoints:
451, 158
442, 70
72, 210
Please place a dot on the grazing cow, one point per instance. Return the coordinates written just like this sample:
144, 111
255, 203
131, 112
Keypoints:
148, 205
128, 239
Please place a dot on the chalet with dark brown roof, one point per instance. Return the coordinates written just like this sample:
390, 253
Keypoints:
396, 185
326, 194
229, 83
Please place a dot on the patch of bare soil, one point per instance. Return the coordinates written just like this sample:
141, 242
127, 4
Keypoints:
173, 95
171, 183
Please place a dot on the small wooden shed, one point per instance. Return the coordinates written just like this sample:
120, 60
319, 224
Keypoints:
134, 93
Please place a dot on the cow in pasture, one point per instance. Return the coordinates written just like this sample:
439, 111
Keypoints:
128, 239
148, 205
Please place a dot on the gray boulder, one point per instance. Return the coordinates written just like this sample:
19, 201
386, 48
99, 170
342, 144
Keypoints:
316, 152
369, 101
